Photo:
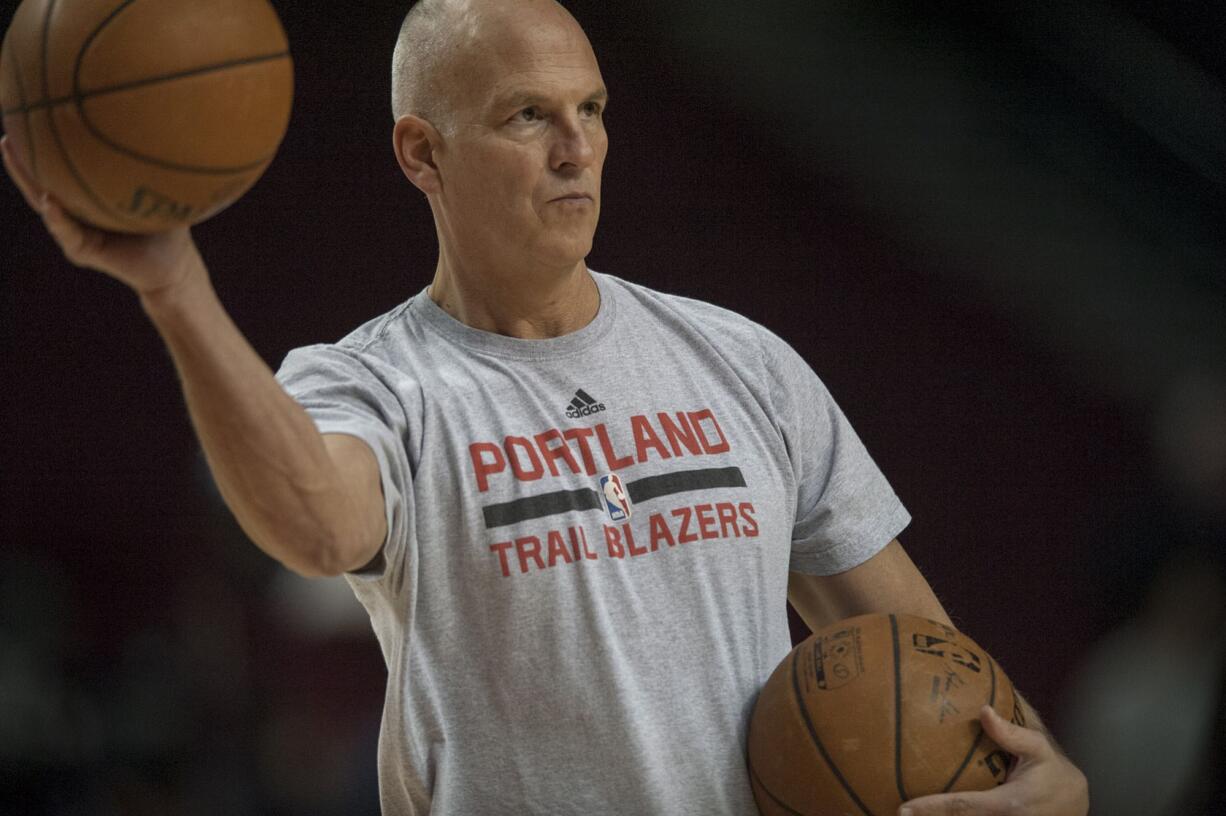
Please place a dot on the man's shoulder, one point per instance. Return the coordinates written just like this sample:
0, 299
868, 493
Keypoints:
671, 306
371, 345
735, 335
377, 332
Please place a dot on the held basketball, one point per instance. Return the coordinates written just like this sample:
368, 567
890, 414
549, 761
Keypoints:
145, 116
874, 711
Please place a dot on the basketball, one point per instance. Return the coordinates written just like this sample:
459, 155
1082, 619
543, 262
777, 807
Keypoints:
874, 711
142, 117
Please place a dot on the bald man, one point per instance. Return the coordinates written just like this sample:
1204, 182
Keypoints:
572, 506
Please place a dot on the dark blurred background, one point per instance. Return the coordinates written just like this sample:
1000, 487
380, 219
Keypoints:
995, 230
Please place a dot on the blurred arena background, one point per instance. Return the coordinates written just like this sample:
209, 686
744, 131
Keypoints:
995, 230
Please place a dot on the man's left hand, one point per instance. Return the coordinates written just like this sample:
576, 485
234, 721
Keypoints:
1042, 783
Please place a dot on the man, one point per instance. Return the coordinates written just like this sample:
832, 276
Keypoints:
573, 507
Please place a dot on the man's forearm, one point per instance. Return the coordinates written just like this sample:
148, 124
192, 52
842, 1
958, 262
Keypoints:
269, 460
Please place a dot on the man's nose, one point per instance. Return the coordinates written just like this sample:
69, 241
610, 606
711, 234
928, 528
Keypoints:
573, 145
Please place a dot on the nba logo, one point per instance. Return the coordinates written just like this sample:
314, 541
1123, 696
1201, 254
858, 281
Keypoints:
615, 499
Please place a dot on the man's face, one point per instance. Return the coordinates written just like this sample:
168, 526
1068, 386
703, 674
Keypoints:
521, 166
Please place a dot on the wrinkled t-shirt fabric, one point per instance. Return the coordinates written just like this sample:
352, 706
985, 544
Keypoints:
589, 537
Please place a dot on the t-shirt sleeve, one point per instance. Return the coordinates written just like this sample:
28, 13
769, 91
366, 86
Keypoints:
346, 393
846, 511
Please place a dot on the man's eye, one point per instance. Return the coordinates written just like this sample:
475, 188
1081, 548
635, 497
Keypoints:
591, 108
528, 115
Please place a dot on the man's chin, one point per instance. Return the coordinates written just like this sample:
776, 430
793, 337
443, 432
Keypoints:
566, 253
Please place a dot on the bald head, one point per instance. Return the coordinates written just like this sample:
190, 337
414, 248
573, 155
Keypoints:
500, 122
421, 48
438, 38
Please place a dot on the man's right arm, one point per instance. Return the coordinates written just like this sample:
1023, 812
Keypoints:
311, 501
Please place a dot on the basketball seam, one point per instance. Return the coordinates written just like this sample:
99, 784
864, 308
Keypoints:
55, 134
167, 165
76, 68
21, 96
78, 99
190, 168
979, 737
78, 96
93, 35
902, 790
804, 713
754, 774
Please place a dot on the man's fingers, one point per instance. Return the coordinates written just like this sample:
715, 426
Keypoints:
1025, 743
78, 242
1016, 739
974, 803
21, 178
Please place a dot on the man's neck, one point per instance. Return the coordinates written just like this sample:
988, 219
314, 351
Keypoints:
530, 306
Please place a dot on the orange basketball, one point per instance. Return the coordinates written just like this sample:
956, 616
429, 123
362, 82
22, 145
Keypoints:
873, 711
143, 116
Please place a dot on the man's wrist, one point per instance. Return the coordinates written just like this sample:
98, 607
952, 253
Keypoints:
188, 289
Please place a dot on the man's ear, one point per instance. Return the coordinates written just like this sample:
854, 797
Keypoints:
415, 141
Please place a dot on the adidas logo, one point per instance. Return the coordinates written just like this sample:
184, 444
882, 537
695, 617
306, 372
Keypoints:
583, 405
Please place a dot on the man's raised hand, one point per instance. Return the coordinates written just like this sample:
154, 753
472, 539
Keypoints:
152, 265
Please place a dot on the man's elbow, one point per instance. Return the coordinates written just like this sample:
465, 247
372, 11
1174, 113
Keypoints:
337, 557
324, 556
313, 567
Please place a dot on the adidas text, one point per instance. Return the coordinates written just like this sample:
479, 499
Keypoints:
587, 410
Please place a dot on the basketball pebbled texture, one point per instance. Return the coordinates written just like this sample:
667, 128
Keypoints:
873, 711
144, 115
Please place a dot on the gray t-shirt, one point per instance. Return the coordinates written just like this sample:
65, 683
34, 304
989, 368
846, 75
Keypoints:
583, 585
